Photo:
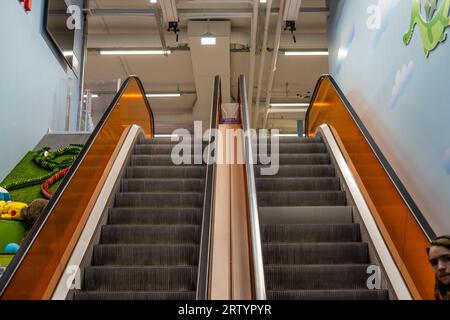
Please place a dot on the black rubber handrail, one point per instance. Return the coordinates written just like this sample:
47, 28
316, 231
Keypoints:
418, 215
34, 232
208, 203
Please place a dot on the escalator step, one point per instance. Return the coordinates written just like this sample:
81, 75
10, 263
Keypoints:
139, 255
328, 295
302, 198
298, 184
294, 140
302, 148
160, 199
159, 160
164, 149
311, 233
169, 141
182, 278
162, 185
292, 171
180, 215
316, 277
306, 215
150, 234
315, 253
136, 295
304, 158
164, 172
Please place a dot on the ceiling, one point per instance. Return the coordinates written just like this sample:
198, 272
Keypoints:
190, 68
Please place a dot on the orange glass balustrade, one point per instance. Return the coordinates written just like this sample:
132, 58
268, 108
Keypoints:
405, 238
36, 269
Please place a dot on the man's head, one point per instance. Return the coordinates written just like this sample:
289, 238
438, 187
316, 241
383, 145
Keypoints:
439, 257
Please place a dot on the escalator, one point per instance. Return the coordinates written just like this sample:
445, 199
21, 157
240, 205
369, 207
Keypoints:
312, 247
149, 248
126, 222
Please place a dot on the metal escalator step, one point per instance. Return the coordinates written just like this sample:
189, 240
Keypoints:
292, 171
302, 148
311, 233
315, 277
181, 278
162, 185
168, 141
306, 215
134, 295
304, 158
180, 172
150, 234
315, 253
298, 184
295, 140
165, 149
328, 295
182, 215
141, 255
160, 199
302, 198
160, 160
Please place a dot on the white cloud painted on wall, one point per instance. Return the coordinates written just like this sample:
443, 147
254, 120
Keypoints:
346, 40
447, 161
402, 78
385, 9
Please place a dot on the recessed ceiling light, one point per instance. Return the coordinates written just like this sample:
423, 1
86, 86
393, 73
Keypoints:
152, 1
92, 96
134, 52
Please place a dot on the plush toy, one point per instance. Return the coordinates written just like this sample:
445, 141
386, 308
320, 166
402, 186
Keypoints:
4, 195
11, 248
32, 212
11, 210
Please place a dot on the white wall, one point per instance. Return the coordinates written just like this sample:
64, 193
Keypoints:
33, 83
400, 94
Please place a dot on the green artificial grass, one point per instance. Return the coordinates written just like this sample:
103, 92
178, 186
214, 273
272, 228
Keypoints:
25, 169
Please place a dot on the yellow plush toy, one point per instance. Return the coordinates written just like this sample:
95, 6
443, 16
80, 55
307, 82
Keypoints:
11, 210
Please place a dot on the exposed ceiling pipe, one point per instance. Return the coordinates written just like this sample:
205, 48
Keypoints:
276, 46
253, 53
262, 63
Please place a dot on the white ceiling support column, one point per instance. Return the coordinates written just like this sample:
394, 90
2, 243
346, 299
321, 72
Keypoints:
207, 62
262, 63
276, 47
251, 82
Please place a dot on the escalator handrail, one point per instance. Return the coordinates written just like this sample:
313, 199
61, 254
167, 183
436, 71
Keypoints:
259, 286
46, 213
205, 245
414, 209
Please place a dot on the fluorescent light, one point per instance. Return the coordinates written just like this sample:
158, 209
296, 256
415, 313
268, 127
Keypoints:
134, 52
208, 40
285, 135
163, 95
68, 53
283, 105
166, 136
263, 1
152, 1
306, 53
92, 96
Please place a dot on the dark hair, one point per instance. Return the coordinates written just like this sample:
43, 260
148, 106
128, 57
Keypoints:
440, 291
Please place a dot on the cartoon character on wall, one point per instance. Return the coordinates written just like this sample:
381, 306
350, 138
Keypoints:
432, 28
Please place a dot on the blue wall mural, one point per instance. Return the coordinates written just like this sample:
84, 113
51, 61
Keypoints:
400, 93
34, 84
